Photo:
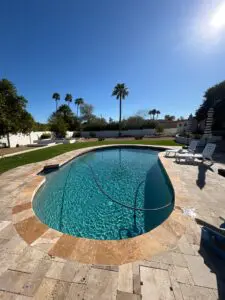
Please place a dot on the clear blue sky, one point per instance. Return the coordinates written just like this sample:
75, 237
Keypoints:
167, 52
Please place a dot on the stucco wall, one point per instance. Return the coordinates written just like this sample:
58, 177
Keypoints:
130, 132
25, 139
33, 137
22, 139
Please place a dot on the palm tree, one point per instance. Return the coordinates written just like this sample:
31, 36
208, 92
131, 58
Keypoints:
150, 113
68, 98
158, 113
56, 96
120, 91
154, 112
78, 102
169, 118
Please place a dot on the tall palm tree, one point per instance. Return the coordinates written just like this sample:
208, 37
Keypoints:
78, 102
120, 91
150, 113
154, 112
158, 113
56, 96
68, 98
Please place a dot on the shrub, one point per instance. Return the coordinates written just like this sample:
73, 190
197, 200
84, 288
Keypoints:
149, 124
92, 134
101, 139
159, 128
58, 126
45, 135
17, 145
76, 134
139, 137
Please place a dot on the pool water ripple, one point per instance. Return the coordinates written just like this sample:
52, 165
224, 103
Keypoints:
70, 201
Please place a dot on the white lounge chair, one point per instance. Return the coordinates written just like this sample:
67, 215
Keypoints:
191, 149
205, 155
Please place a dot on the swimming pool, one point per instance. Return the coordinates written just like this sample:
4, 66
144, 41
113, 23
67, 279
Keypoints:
107, 194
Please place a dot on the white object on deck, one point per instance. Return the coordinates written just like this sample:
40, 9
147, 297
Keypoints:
189, 212
191, 149
207, 153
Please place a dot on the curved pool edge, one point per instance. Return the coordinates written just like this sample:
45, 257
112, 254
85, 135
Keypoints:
114, 252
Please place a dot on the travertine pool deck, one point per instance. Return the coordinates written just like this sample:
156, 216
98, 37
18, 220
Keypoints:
40, 263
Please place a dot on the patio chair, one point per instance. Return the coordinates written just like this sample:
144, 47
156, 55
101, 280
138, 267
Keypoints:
217, 229
205, 155
191, 149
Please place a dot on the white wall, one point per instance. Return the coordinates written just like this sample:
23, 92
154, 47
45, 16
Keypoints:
115, 133
33, 137
130, 132
26, 139
22, 139
170, 131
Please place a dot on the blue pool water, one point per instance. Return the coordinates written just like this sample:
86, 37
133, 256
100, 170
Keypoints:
94, 195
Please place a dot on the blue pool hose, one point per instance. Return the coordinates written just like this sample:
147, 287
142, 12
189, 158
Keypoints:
134, 208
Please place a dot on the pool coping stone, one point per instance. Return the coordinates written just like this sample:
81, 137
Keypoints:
108, 252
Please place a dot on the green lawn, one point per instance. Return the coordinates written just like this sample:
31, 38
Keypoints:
8, 163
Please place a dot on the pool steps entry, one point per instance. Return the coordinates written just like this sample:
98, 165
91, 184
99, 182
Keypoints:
50, 168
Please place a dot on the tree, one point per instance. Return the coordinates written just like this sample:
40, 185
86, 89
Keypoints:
56, 96
159, 128
13, 115
86, 111
150, 124
40, 127
78, 103
169, 118
120, 91
58, 125
213, 97
150, 113
68, 98
153, 112
95, 124
28, 123
134, 122
158, 113
68, 116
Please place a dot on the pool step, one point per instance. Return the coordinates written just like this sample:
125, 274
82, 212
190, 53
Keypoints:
50, 168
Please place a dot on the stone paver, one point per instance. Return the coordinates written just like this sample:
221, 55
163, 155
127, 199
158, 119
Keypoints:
196, 292
200, 273
102, 285
125, 278
28, 272
55, 289
181, 275
127, 296
76, 291
11, 296
155, 284
13, 281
